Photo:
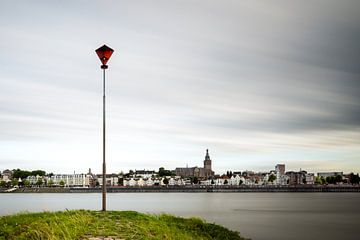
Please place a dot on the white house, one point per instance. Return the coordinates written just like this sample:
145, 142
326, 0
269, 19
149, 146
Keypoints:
221, 181
281, 179
149, 182
144, 173
111, 179
235, 180
157, 181
310, 178
70, 180
141, 182
132, 182
206, 182
125, 182
180, 182
33, 179
172, 182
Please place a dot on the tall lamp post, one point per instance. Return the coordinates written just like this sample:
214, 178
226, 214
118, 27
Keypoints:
104, 53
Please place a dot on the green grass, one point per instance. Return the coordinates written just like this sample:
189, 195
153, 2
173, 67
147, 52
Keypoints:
83, 224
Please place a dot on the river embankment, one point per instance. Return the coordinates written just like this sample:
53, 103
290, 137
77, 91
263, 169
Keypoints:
119, 189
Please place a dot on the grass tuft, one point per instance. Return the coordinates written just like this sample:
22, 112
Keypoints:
83, 224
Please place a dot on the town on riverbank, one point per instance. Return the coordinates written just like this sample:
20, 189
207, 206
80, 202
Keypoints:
187, 179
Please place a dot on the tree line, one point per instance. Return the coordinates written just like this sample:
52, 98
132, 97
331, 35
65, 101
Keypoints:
22, 174
353, 179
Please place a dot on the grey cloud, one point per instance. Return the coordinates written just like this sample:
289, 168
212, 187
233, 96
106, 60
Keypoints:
189, 72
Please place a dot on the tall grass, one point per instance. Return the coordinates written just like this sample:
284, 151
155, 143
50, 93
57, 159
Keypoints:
82, 224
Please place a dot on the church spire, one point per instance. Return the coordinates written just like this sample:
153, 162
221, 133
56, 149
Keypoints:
207, 157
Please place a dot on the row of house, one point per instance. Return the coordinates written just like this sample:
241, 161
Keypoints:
278, 176
67, 180
141, 182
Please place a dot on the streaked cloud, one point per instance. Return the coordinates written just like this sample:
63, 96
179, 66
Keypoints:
256, 82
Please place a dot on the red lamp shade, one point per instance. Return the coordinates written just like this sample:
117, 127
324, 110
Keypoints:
104, 53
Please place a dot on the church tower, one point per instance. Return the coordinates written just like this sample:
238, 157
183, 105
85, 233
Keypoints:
207, 161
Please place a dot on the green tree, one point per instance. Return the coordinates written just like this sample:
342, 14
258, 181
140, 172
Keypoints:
166, 181
272, 178
26, 183
121, 181
38, 172
51, 183
322, 179
2, 184
62, 183
338, 179
39, 182
18, 173
163, 172
14, 182
354, 179
317, 180
195, 180
329, 180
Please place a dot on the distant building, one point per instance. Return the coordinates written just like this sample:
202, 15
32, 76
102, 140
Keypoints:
69, 180
247, 173
203, 173
33, 179
7, 175
111, 179
140, 182
144, 173
280, 168
309, 178
296, 178
236, 180
281, 178
329, 174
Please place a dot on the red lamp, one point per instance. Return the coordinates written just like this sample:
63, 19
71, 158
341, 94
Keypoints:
104, 53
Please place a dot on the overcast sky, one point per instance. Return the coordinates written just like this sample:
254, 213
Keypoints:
256, 82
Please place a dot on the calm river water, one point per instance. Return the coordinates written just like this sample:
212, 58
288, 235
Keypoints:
255, 215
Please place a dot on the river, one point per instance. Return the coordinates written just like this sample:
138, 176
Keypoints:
255, 215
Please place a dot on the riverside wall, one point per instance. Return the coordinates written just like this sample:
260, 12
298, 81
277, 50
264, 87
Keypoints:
223, 189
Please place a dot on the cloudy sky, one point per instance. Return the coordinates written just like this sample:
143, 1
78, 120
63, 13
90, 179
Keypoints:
256, 82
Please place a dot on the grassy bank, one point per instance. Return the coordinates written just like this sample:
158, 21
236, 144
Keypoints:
82, 224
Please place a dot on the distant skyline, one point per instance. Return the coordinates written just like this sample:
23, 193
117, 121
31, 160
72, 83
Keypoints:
257, 83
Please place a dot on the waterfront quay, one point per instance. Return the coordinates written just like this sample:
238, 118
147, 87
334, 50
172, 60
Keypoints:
194, 189
300, 188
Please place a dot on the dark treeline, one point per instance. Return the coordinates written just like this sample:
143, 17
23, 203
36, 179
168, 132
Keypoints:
164, 172
353, 179
18, 173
